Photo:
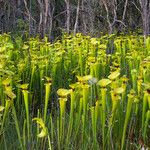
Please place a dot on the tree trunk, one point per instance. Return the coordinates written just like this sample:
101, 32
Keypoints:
68, 16
46, 17
145, 10
29, 16
77, 17
83, 17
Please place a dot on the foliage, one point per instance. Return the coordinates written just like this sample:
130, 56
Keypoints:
80, 95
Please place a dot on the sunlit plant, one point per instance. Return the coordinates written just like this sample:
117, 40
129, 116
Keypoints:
81, 92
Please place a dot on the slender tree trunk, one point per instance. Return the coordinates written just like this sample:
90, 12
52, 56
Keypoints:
124, 11
145, 10
110, 25
29, 16
77, 17
40, 26
83, 17
46, 4
123, 15
50, 14
68, 16
46, 17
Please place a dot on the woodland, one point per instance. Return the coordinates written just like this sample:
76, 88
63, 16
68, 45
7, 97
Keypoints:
91, 17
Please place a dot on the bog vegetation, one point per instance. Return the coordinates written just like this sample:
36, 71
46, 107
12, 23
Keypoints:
77, 93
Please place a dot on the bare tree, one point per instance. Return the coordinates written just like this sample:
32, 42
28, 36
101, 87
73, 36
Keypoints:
125, 9
91, 16
68, 15
77, 17
83, 17
145, 12
46, 16
111, 8
87, 17
29, 16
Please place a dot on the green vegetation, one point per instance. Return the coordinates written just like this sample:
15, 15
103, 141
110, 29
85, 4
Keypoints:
77, 93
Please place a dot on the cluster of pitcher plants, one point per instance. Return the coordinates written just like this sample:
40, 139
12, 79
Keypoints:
76, 93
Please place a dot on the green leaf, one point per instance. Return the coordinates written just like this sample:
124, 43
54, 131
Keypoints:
7, 82
104, 82
114, 75
25, 47
48, 79
85, 86
8, 72
124, 79
134, 71
10, 94
84, 78
94, 41
9, 45
119, 90
75, 85
63, 92
24, 86
2, 108
39, 121
42, 134
103, 46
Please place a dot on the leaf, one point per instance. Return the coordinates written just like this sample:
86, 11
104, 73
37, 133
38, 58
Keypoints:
7, 82
136, 100
103, 46
119, 90
75, 85
78, 35
43, 132
149, 101
25, 47
133, 71
48, 79
146, 86
104, 82
124, 79
131, 94
8, 72
1, 66
114, 75
2, 108
148, 114
3, 56
84, 78
63, 92
24, 86
94, 41
9, 45
39, 121
85, 86
10, 94
91, 59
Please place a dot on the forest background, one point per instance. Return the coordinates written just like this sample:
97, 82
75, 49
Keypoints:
91, 17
